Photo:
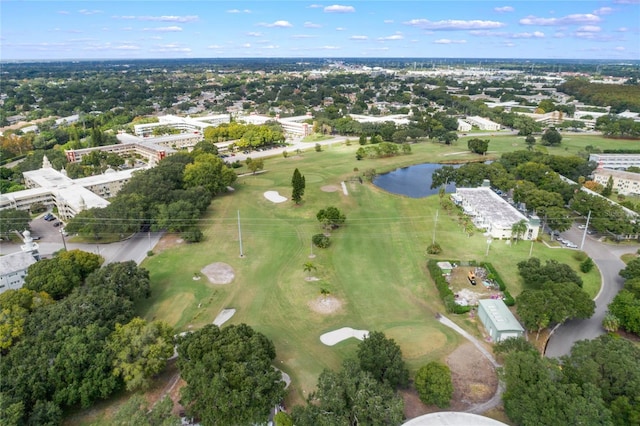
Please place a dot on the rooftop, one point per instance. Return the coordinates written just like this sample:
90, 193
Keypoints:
492, 206
500, 315
15, 262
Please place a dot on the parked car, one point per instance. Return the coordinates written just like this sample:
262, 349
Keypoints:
571, 245
35, 237
582, 226
55, 225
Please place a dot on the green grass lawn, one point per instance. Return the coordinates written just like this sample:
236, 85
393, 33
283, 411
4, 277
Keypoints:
376, 265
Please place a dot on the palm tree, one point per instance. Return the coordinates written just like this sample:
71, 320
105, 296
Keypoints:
324, 292
518, 229
308, 267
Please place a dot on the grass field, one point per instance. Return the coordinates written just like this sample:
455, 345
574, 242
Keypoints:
375, 265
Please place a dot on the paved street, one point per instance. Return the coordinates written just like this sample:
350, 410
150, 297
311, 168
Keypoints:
607, 258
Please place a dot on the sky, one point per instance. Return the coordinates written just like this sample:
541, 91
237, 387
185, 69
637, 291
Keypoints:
569, 29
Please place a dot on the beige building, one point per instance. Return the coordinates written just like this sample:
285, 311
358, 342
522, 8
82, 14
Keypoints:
624, 183
482, 123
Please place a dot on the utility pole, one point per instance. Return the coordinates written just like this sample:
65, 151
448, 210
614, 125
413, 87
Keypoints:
434, 227
240, 235
586, 228
64, 243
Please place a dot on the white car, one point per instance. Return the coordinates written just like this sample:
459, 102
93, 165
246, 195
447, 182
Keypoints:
582, 226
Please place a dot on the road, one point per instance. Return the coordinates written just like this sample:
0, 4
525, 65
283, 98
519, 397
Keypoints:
291, 148
134, 248
607, 258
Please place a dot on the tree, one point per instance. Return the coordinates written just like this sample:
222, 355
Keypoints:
478, 146
626, 307
632, 270
298, 184
15, 307
535, 275
141, 351
324, 292
255, 165
137, 411
434, 385
608, 187
308, 268
530, 140
331, 217
551, 137
610, 322
210, 172
13, 220
350, 397
382, 358
56, 276
229, 375
448, 137
518, 229
125, 279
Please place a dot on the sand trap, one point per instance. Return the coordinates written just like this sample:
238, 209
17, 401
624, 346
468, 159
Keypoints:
224, 316
274, 197
344, 333
344, 188
329, 188
219, 273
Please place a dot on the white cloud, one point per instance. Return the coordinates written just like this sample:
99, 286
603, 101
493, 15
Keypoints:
448, 41
577, 18
337, 8
619, 48
238, 11
589, 28
127, 47
126, 29
89, 12
340, 28
509, 44
277, 24
388, 21
454, 24
504, 9
603, 11
170, 18
559, 34
214, 46
391, 37
535, 34
303, 36
359, 37
271, 46
488, 33
171, 47
246, 45
310, 24
623, 29
329, 47
63, 12
254, 34
316, 6
173, 28
626, 1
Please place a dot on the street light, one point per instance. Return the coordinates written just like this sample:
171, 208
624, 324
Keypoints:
489, 241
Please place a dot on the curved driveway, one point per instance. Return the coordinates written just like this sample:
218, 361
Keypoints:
607, 258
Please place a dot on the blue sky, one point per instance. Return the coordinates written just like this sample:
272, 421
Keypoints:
581, 29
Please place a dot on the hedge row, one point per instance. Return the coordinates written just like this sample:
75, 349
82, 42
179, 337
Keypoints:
621, 151
442, 285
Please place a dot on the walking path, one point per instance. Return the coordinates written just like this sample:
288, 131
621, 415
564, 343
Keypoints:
496, 399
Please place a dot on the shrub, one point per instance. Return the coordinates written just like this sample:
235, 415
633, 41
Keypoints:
285, 154
434, 385
434, 249
321, 241
508, 298
150, 253
587, 265
494, 275
318, 147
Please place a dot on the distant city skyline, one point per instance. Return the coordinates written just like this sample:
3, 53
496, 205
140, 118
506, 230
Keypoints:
51, 30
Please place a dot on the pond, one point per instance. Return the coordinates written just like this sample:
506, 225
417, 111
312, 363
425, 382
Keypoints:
412, 181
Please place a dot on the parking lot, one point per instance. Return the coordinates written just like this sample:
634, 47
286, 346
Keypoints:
45, 231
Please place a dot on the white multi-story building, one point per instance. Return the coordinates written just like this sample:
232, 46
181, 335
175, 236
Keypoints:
463, 126
624, 183
53, 188
492, 213
616, 161
290, 125
482, 123
184, 124
13, 267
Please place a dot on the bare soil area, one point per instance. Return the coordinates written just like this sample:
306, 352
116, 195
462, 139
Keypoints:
168, 241
219, 273
329, 188
325, 305
474, 381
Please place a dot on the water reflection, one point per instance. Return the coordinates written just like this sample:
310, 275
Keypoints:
413, 181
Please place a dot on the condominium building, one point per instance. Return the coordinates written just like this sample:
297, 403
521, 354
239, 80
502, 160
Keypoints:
624, 183
184, 124
493, 214
482, 123
616, 161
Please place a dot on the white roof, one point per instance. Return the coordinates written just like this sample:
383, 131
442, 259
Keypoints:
492, 206
452, 418
15, 262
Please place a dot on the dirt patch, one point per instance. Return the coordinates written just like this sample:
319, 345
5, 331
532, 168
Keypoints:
474, 378
325, 305
465, 292
474, 381
329, 188
168, 241
219, 273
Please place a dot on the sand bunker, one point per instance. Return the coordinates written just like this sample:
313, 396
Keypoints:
344, 333
329, 188
274, 197
224, 316
219, 273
